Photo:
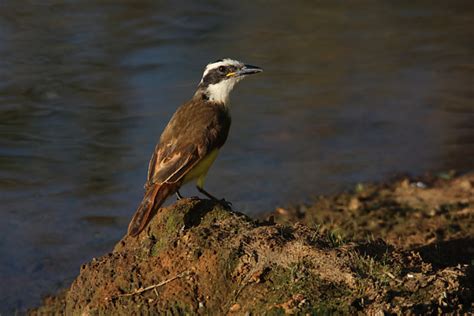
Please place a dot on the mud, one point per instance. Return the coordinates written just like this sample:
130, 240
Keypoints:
403, 248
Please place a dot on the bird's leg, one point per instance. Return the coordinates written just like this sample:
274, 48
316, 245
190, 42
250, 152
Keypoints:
178, 195
225, 203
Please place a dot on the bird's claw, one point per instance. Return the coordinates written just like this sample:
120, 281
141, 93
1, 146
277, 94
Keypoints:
226, 204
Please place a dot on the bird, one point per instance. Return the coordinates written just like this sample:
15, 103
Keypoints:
190, 142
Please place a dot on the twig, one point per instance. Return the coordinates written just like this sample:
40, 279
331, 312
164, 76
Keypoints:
154, 286
391, 276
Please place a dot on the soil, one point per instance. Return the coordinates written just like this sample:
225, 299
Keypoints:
399, 248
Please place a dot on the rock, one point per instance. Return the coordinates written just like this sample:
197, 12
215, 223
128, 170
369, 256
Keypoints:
354, 204
197, 258
235, 308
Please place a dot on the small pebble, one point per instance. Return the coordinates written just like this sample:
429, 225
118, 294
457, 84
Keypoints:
354, 204
420, 185
235, 308
465, 185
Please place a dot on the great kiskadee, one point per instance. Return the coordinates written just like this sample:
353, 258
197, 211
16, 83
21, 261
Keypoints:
190, 142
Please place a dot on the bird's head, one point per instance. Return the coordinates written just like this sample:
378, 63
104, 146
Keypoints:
220, 77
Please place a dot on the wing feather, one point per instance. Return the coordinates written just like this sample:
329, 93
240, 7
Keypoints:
171, 167
194, 130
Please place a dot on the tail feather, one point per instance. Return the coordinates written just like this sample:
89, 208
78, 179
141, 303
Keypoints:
154, 197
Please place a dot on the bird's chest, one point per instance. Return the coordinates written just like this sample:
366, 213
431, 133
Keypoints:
202, 167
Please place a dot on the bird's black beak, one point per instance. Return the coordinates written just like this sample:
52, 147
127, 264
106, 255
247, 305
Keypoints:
249, 70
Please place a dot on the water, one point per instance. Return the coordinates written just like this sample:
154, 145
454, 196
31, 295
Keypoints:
351, 92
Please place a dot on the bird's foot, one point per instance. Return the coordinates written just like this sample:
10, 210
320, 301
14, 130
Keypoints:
226, 204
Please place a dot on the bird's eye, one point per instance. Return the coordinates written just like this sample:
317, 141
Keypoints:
221, 69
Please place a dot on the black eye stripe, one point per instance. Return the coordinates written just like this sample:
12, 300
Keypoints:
217, 74
212, 77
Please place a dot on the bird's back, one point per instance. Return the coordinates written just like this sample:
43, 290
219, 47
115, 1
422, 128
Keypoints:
198, 121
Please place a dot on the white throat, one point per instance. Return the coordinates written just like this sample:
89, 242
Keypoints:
220, 92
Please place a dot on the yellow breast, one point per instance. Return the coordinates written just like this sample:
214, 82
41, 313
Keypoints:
200, 170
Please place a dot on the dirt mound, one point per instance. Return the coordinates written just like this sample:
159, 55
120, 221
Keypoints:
435, 212
196, 257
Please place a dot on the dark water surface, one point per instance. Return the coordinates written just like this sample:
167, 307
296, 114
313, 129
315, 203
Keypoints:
352, 91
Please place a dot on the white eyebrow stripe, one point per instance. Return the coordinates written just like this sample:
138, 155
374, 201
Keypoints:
224, 62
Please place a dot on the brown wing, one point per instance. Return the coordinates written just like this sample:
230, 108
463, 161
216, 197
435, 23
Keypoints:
193, 131
170, 167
